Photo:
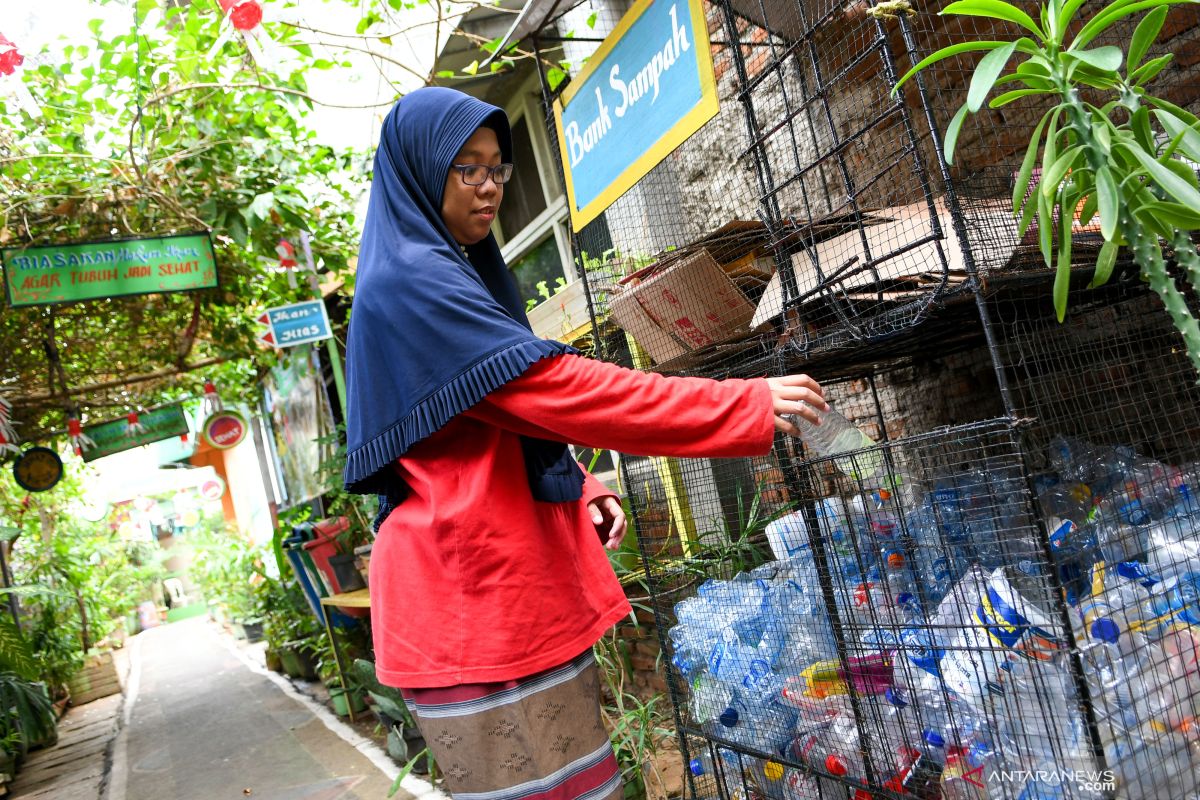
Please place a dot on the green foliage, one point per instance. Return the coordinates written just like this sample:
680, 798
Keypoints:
1106, 161
544, 292
638, 727
75, 581
143, 132
26, 714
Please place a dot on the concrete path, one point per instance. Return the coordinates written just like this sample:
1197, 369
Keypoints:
205, 723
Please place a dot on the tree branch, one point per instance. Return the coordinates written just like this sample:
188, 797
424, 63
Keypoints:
158, 98
40, 397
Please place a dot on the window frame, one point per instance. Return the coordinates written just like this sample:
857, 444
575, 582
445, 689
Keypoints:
554, 220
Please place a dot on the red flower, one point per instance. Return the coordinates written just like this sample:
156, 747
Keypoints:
247, 15
9, 59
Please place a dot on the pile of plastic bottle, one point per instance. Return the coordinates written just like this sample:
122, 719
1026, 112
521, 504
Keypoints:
950, 675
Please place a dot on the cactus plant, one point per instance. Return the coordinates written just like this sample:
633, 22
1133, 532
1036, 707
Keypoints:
1107, 160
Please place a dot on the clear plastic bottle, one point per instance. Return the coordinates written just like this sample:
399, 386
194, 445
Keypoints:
835, 435
762, 726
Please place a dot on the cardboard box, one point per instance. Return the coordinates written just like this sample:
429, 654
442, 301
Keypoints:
689, 304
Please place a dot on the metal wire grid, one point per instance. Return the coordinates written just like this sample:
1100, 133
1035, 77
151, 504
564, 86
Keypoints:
972, 508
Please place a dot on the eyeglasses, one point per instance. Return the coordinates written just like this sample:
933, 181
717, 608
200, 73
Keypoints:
477, 174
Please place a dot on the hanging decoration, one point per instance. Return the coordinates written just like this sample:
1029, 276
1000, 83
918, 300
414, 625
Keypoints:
134, 425
80, 441
8, 433
11, 80
38, 469
245, 17
212, 401
287, 260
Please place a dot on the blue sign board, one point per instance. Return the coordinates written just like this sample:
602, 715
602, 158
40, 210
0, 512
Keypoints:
648, 88
297, 324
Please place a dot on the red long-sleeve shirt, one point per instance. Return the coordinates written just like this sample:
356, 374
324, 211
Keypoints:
472, 580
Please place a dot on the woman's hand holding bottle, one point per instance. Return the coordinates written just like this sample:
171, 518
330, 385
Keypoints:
796, 394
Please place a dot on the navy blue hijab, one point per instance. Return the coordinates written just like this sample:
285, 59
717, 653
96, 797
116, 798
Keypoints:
434, 326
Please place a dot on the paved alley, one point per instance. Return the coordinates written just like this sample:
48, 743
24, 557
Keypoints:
205, 725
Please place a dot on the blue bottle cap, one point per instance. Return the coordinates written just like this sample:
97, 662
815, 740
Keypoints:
893, 696
729, 717
1136, 571
1106, 630
696, 766
933, 738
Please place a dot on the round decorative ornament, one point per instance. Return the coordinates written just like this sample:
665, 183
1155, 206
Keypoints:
224, 429
39, 469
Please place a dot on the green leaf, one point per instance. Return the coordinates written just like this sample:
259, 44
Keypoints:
1031, 81
1171, 183
1052, 178
1139, 123
591, 20
1045, 219
1114, 12
1183, 114
1181, 169
1008, 97
1088, 210
1108, 199
554, 77
944, 53
952, 132
1144, 35
995, 9
1062, 276
1021, 189
1149, 71
1106, 59
990, 67
1069, 9
1175, 215
1104, 265
472, 68
1189, 138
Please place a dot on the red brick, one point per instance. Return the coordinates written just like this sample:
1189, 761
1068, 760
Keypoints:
1187, 52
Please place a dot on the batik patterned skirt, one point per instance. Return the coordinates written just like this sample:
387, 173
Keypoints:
535, 738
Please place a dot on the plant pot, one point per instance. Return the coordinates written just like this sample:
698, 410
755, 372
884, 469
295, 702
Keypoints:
348, 577
362, 559
274, 660
98, 678
8, 766
341, 706
296, 662
253, 631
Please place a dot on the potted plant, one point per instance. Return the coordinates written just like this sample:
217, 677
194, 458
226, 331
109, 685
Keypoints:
1128, 162
30, 715
405, 743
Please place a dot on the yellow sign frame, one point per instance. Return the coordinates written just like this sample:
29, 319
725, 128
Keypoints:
680, 132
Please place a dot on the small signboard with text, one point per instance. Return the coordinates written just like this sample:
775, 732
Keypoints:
647, 89
64, 273
299, 323
116, 435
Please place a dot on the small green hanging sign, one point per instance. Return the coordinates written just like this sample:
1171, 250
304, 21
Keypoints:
64, 273
127, 433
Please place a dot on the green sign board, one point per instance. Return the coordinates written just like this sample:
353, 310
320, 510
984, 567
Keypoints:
36, 276
114, 436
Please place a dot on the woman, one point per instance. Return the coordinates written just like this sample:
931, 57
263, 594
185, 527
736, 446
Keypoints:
489, 584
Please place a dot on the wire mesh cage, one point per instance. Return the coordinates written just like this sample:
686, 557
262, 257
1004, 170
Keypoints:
993, 595
824, 198
895, 622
